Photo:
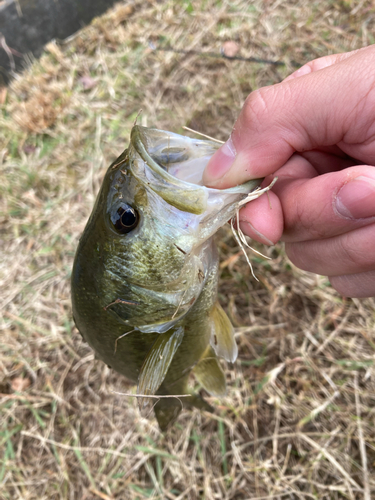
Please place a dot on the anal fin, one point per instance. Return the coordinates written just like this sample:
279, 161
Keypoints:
209, 374
222, 334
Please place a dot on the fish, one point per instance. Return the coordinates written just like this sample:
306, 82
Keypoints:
145, 275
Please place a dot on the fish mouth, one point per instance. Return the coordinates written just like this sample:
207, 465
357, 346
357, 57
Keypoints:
172, 166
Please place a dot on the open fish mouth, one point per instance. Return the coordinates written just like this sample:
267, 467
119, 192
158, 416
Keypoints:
172, 166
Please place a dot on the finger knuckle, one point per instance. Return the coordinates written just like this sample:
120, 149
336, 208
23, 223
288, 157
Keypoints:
257, 106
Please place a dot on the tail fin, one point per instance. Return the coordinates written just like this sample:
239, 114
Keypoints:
168, 409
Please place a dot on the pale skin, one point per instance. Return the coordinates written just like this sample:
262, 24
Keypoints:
315, 131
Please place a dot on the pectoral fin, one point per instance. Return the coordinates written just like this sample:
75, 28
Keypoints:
157, 361
209, 374
222, 334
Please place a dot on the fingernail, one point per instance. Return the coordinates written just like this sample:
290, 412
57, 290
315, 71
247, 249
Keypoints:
249, 229
220, 163
356, 199
304, 70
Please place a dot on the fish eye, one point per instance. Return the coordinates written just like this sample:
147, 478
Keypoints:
125, 219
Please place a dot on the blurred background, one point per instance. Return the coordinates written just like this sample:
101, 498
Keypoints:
298, 418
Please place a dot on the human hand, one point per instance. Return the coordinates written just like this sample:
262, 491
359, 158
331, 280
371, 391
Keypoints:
315, 131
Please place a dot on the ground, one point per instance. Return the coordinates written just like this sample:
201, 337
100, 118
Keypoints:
298, 419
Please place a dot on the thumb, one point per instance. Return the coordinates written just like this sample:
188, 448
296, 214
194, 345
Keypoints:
322, 108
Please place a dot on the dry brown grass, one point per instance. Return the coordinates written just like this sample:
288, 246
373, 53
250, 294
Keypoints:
299, 416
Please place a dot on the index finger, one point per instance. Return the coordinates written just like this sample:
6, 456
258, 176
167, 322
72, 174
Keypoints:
321, 108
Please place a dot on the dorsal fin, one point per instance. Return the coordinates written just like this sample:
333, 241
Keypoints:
209, 374
222, 334
157, 361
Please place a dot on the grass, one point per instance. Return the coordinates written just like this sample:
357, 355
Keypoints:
298, 419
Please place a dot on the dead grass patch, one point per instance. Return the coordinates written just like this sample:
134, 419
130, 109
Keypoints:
299, 416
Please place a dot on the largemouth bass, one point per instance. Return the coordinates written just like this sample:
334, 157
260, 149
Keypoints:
145, 275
